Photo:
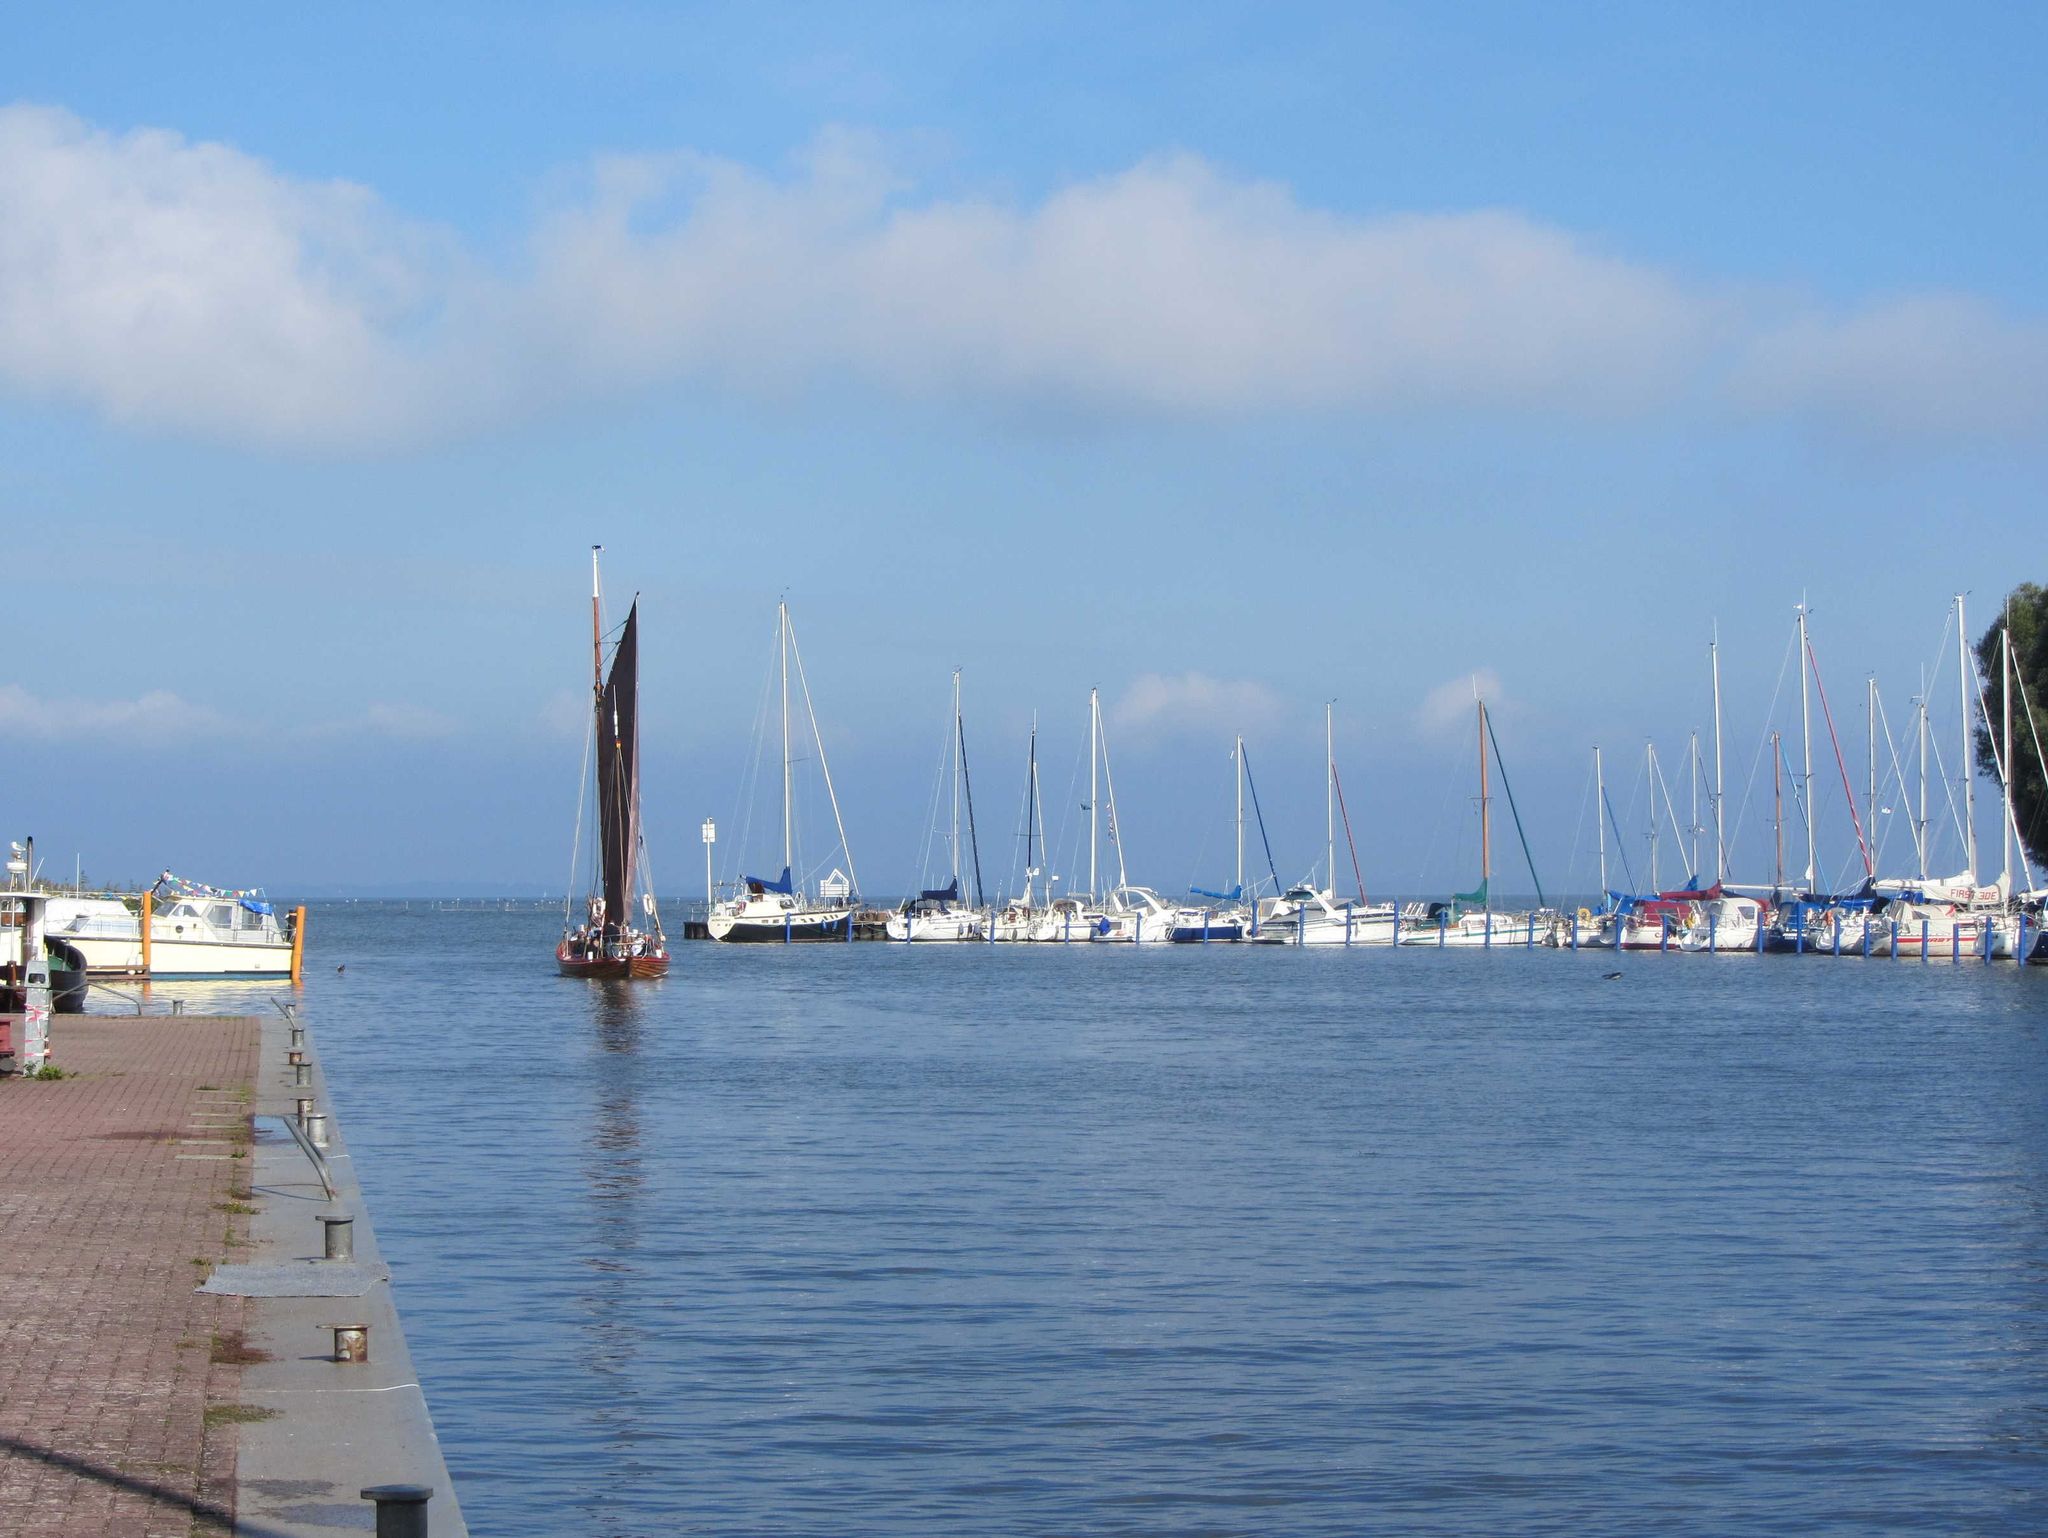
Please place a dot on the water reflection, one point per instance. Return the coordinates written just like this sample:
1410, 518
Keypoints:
615, 1178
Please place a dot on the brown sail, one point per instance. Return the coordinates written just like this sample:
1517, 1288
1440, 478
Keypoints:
618, 775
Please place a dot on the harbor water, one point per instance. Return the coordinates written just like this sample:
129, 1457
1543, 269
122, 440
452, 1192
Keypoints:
900, 1240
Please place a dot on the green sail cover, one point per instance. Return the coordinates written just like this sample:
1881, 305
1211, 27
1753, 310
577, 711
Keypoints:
1476, 898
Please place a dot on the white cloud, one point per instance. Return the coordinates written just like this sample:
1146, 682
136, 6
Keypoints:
409, 722
193, 287
161, 716
156, 716
1940, 363
1448, 708
1158, 706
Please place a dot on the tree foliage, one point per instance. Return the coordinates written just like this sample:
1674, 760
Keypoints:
2026, 611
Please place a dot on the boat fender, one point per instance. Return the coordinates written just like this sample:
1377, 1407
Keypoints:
1585, 915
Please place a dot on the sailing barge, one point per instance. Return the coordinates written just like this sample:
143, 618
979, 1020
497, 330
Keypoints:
610, 943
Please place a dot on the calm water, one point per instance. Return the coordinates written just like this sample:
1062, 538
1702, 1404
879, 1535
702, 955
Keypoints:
874, 1240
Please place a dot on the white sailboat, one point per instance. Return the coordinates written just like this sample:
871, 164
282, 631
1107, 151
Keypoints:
1015, 920
1483, 928
939, 913
777, 910
1309, 915
1227, 917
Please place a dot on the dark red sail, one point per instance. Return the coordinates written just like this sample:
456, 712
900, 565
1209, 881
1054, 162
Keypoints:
618, 774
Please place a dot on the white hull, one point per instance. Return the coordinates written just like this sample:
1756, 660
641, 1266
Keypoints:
1065, 924
954, 924
188, 938
1013, 925
1730, 924
1342, 926
1486, 930
1136, 916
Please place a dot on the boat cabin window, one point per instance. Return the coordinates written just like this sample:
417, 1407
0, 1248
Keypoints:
221, 916
249, 919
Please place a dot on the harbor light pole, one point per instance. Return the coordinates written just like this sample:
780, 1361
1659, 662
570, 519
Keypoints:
710, 838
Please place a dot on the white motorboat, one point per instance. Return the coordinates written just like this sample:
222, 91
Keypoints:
1303, 915
195, 931
1136, 915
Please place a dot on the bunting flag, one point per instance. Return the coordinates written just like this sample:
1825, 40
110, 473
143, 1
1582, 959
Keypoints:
178, 886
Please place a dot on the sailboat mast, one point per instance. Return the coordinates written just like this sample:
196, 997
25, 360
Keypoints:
1650, 775
1720, 826
1806, 772
956, 780
1030, 810
596, 626
1485, 821
2005, 829
1330, 796
1870, 711
1600, 817
1921, 823
1693, 877
1094, 785
1237, 776
1963, 700
1777, 814
782, 645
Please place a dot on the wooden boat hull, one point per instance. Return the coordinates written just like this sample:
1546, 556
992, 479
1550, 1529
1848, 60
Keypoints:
618, 968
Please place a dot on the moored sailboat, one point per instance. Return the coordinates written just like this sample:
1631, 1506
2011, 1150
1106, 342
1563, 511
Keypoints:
776, 910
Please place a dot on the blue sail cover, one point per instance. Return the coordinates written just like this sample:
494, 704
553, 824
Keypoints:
1230, 896
763, 884
948, 893
254, 906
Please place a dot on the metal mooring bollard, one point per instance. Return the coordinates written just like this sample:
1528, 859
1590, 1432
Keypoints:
305, 1107
341, 1236
302, 1074
316, 1129
401, 1509
351, 1342
294, 1057
298, 1035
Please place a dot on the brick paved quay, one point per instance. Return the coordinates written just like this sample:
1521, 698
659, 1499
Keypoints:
118, 1192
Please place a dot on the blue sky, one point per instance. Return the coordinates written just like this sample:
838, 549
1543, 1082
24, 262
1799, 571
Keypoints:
1229, 358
